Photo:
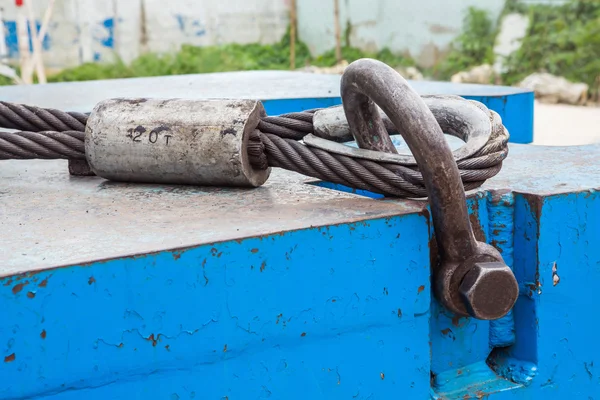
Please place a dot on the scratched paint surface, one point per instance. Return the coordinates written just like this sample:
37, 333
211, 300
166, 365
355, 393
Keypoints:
558, 264
335, 312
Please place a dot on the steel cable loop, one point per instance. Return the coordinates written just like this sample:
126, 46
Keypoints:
274, 143
292, 123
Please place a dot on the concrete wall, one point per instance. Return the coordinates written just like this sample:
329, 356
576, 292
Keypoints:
422, 28
99, 30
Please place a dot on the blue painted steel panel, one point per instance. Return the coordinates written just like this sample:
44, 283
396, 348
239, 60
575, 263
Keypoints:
281, 92
516, 111
282, 106
330, 312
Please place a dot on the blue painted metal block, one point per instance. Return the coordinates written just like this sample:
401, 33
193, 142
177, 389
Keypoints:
297, 289
280, 91
305, 311
317, 305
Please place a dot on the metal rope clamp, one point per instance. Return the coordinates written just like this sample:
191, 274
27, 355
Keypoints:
471, 278
174, 141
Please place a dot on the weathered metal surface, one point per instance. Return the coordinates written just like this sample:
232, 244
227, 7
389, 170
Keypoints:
156, 322
132, 317
324, 312
174, 141
456, 117
50, 214
281, 92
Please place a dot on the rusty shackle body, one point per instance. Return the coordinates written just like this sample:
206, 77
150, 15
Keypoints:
472, 278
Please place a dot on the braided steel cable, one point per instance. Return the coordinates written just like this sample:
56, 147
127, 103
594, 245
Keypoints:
35, 119
54, 134
46, 145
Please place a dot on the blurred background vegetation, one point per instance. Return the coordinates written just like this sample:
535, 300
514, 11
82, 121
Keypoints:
562, 40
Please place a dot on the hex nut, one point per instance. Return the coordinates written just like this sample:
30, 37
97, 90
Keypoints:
489, 290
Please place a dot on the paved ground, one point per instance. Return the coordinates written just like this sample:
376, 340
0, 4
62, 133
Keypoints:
562, 125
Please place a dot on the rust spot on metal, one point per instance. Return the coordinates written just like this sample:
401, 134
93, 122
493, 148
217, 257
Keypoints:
382, 375
43, 334
333, 300
385, 291
477, 229
225, 349
459, 372
18, 287
91, 280
203, 263
176, 255
120, 345
8, 282
214, 251
446, 331
254, 251
43, 283
278, 317
168, 347
152, 339
262, 266
31, 295
456, 320
303, 334
399, 313
496, 244
10, 358
421, 288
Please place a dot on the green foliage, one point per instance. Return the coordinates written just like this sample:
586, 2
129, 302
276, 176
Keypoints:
474, 46
192, 59
231, 57
4, 80
563, 40
91, 71
351, 54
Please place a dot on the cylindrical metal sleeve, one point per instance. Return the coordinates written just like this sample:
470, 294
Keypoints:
178, 141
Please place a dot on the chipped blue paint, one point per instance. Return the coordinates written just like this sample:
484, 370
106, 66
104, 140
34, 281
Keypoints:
500, 207
334, 312
474, 381
460, 346
12, 41
557, 259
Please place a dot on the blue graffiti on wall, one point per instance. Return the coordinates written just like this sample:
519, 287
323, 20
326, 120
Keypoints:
108, 40
104, 34
189, 26
12, 41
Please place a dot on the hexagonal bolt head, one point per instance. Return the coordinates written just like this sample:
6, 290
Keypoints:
489, 290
